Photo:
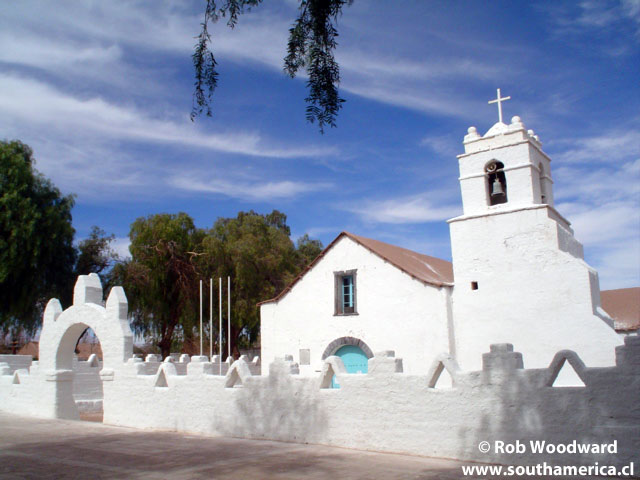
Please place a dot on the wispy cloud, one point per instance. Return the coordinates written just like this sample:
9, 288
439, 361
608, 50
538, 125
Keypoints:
444, 145
365, 64
605, 224
601, 198
589, 16
606, 148
420, 208
602, 13
610, 233
259, 39
243, 190
55, 53
594, 184
120, 246
423, 86
35, 103
161, 26
618, 264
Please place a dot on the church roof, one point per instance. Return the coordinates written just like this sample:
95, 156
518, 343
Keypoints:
623, 305
430, 270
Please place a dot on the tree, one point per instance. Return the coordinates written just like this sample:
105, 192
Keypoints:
312, 41
308, 249
161, 277
256, 252
95, 254
170, 256
36, 240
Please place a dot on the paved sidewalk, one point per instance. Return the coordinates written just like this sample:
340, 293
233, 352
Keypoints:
57, 449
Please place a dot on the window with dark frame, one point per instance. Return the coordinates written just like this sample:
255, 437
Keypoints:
345, 293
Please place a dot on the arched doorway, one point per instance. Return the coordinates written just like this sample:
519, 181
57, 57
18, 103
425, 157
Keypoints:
87, 384
354, 359
353, 352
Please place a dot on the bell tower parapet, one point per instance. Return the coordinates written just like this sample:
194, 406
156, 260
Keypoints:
504, 169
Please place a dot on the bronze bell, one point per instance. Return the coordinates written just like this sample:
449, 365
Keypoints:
496, 188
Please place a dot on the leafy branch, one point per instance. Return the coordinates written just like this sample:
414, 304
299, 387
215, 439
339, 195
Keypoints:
311, 46
312, 41
204, 63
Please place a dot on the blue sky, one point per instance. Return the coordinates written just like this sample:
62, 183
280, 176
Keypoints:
102, 92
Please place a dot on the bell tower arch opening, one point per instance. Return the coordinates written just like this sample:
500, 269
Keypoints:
496, 183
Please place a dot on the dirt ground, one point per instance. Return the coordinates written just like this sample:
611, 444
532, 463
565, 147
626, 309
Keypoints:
58, 449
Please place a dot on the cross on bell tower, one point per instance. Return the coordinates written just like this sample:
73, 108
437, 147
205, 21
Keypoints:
499, 102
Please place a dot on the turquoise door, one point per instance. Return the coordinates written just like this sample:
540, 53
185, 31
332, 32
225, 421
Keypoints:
354, 359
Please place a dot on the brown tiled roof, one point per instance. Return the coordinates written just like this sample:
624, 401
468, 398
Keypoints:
431, 270
623, 305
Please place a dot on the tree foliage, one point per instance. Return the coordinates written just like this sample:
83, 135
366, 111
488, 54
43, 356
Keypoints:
169, 256
95, 254
308, 250
311, 45
36, 240
161, 277
312, 40
256, 252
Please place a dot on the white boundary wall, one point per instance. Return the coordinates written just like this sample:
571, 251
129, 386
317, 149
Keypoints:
384, 410
16, 362
387, 410
87, 385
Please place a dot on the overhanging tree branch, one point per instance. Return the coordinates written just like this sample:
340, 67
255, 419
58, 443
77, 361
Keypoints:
311, 45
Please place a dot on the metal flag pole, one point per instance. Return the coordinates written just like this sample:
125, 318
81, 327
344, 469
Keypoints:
229, 314
220, 329
210, 319
200, 317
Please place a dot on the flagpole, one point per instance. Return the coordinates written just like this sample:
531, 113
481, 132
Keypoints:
210, 319
229, 314
200, 317
220, 329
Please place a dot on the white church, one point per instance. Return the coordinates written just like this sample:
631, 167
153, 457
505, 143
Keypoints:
518, 276
517, 294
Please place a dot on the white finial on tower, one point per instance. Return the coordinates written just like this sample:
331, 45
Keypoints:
499, 102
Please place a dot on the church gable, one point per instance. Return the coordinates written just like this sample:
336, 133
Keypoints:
374, 294
428, 270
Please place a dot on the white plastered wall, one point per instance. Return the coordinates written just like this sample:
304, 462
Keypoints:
387, 410
395, 311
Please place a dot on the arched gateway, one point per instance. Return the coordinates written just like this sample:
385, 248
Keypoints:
61, 330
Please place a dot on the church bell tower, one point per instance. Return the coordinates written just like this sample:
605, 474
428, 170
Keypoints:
504, 169
520, 275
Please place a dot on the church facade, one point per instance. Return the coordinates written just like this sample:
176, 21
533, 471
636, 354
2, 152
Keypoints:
518, 276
